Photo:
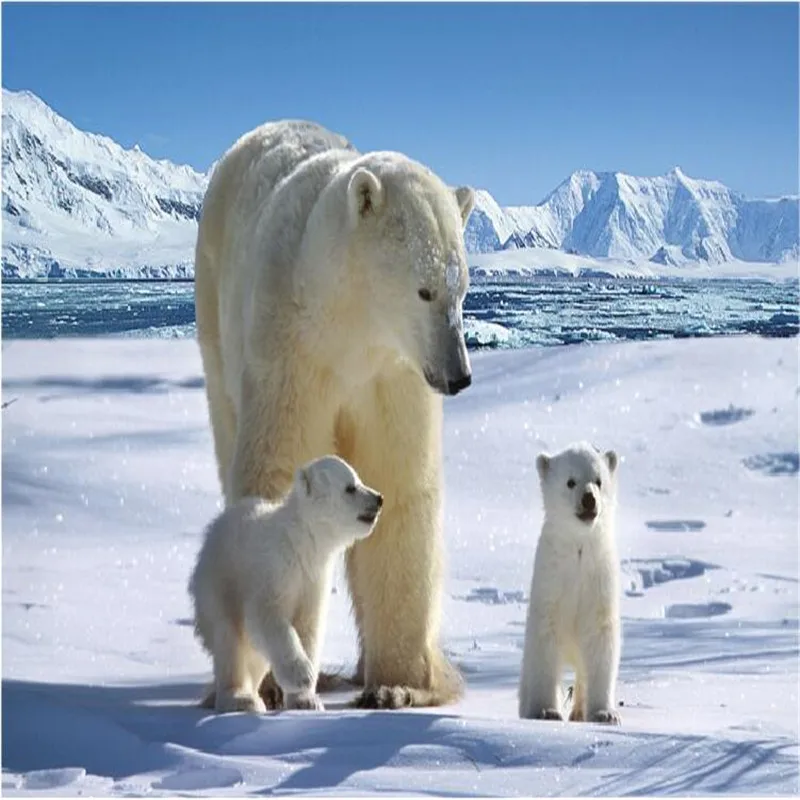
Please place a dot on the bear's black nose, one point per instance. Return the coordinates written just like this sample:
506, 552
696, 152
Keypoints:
454, 387
588, 501
379, 500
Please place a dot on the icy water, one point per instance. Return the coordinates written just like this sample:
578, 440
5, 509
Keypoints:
519, 313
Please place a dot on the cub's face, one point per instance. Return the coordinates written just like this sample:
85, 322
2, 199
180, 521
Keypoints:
409, 227
578, 484
336, 495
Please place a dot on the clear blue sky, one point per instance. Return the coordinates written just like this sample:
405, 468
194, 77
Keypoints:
507, 97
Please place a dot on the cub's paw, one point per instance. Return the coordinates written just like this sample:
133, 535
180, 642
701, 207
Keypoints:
576, 715
271, 693
549, 714
385, 697
333, 681
229, 703
305, 701
607, 716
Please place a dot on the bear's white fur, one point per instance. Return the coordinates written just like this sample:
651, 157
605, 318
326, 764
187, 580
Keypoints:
573, 612
261, 584
329, 289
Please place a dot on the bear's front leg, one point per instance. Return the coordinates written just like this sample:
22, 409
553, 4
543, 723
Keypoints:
601, 651
395, 575
395, 581
541, 670
277, 639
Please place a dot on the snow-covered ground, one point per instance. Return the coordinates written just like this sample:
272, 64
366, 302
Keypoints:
544, 261
108, 478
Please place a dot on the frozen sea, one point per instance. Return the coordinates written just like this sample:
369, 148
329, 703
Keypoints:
509, 313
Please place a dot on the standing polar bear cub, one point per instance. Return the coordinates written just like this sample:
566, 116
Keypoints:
263, 576
328, 290
573, 612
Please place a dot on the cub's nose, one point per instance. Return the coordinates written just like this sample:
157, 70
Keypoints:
379, 500
588, 502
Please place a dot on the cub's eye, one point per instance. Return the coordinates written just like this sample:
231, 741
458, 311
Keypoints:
599, 483
570, 484
426, 295
351, 489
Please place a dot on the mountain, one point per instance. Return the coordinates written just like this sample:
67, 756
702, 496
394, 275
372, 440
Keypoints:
669, 219
77, 203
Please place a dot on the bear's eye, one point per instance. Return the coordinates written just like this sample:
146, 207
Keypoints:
426, 295
570, 484
599, 483
351, 489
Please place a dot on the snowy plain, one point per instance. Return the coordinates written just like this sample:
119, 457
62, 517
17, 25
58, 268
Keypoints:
544, 261
108, 479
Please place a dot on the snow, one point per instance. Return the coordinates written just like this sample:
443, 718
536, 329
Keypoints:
532, 261
78, 204
109, 478
634, 218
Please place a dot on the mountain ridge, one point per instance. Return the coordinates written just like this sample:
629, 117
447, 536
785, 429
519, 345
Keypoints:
78, 204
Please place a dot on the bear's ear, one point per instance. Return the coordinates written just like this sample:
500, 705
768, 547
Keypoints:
465, 197
612, 460
542, 464
364, 194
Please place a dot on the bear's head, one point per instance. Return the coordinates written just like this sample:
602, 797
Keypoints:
579, 485
407, 233
335, 501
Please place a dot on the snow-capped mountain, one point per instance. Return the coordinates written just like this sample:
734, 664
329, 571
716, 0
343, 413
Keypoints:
77, 203
670, 219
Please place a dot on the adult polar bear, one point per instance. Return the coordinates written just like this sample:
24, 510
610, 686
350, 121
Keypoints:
329, 289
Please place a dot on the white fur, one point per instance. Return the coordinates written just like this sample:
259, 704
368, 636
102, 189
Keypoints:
262, 580
328, 287
573, 612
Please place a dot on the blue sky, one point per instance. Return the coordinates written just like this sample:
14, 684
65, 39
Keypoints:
508, 97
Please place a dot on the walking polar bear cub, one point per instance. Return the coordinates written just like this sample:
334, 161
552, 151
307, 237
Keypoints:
329, 289
263, 574
573, 612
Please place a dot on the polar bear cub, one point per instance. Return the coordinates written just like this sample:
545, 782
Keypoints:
262, 581
573, 612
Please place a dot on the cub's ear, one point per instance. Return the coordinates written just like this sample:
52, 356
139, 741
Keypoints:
364, 194
612, 460
465, 197
542, 464
303, 480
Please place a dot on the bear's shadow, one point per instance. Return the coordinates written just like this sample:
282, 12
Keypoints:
121, 731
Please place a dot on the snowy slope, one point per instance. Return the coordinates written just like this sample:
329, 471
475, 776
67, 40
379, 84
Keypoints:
76, 203
108, 479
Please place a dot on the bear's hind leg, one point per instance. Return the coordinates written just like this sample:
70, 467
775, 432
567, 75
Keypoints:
234, 690
281, 427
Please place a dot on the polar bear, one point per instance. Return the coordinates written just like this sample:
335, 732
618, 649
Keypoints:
573, 612
329, 289
264, 571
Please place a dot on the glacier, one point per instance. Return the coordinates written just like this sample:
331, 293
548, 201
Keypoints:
77, 204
